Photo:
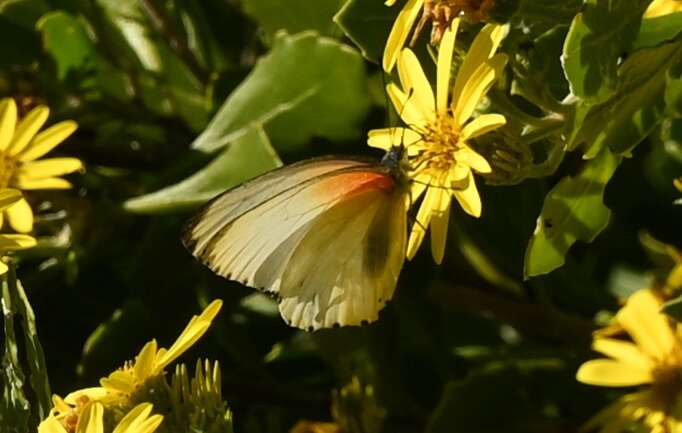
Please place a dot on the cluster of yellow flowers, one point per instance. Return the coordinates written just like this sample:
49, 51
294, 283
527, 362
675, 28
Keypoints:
21, 147
436, 139
85, 410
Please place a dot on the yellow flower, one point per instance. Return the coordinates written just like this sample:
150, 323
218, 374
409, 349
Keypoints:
11, 242
439, 128
441, 13
20, 146
658, 8
89, 418
149, 363
653, 358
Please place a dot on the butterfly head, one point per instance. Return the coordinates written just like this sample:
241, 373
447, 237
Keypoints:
396, 161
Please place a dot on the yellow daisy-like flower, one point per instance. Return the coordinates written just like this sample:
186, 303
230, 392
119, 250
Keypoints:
89, 418
659, 8
20, 146
653, 358
149, 363
11, 242
439, 129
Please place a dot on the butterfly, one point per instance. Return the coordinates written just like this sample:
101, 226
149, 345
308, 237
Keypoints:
325, 236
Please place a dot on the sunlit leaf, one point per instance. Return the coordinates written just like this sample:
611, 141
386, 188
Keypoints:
573, 210
66, 40
598, 37
247, 156
293, 15
626, 118
306, 86
654, 31
168, 84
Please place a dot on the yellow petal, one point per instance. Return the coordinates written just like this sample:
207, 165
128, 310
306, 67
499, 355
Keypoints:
482, 48
468, 197
59, 405
415, 83
649, 328
445, 51
88, 394
30, 183
439, 225
607, 372
14, 242
145, 362
388, 138
422, 221
91, 420
468, 157
27, 129
51, 425
3, 267
119, 381
20, 216
195, 329
481, 125
659, 8
8, 121
475, 87
622, 351
389, 2
48, 140
408, 109
399, 32
9, 196
49, 167
139, 421
417, 188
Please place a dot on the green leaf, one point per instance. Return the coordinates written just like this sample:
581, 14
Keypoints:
167, 83
367, 24
673, 308
307, 86
66, 40
654, 31
573, 210
19, 43
673, 91
246, 157
598, 37
21, 411
497, 387
293, 15
626, 118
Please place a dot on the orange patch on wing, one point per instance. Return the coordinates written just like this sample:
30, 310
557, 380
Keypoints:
355, 182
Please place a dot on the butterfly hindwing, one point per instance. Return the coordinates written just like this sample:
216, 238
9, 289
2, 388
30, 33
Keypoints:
346, 267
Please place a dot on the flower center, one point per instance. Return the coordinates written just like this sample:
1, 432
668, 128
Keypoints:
7, 167
441, 141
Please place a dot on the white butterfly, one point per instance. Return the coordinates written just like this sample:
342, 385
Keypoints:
325, 236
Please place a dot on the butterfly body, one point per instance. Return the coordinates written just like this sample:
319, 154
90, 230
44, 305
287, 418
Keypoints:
325, 236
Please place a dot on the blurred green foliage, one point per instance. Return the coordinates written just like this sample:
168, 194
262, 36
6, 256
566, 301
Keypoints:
177, 100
